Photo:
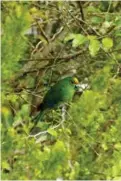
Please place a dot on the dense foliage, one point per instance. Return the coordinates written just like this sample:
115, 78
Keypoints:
41, 43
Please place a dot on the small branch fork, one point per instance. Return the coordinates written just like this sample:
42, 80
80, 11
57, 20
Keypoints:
54, 127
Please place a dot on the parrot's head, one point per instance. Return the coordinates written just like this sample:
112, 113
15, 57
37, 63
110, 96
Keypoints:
75, 83
72, 81
79, 87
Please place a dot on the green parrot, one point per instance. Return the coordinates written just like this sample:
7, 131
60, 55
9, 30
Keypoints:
62, 92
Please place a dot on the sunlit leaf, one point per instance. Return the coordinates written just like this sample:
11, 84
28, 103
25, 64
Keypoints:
94, 46
107, 43
78, 40
52, 132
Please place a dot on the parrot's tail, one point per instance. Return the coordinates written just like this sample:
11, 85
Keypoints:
37, 118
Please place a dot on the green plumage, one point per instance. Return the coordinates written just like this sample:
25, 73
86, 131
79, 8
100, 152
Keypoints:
62, 92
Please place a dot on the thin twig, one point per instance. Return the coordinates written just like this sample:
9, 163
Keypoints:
78, 20
43, 33
27, 101
67, 57
46, 131
58, 55
32, 93
81, 10
57, 33
36, 48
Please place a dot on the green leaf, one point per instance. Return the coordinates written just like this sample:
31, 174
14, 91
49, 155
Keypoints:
92, 9
52, 132
118, 21
78, 40
117, 33
92, 37
69, 37
5, 165
107, 43
94, 46
96, 20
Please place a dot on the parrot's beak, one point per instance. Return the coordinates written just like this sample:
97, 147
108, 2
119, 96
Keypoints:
75, 80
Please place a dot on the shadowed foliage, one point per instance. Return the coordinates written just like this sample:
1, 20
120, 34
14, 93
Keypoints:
43, 42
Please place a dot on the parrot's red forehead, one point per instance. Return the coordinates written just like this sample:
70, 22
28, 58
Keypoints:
75, 80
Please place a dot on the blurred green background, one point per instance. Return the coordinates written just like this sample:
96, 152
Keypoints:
43, 41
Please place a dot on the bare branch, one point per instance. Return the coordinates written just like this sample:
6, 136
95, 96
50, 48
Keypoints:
81, 11
68, 57
52, 128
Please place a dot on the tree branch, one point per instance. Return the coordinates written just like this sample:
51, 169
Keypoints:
81, 11
67, 57
52, 128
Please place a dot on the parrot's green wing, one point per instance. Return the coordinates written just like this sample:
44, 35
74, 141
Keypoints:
61, 92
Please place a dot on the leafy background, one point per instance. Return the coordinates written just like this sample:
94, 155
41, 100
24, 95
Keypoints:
41, 42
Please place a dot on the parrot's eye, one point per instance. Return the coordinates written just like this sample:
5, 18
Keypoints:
75, 81
76, 87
